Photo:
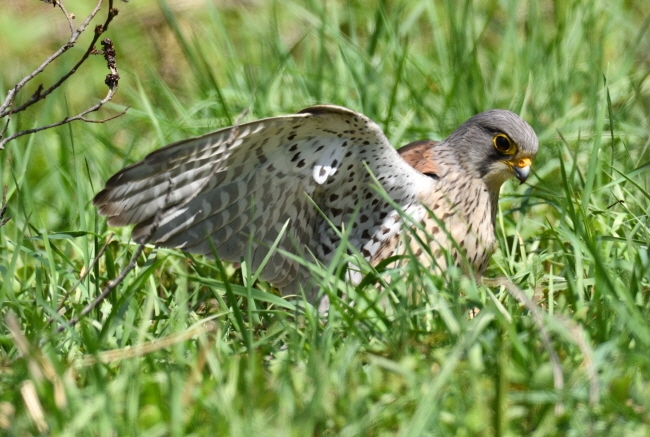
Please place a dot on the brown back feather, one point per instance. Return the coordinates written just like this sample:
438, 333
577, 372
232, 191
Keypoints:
419, 155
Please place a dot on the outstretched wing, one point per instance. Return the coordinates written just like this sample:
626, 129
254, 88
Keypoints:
242, 185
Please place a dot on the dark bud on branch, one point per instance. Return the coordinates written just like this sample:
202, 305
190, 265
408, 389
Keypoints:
109, 54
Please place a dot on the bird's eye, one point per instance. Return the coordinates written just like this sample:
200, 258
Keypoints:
503, 144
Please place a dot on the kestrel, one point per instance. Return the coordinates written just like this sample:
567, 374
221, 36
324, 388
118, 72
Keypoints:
302, 179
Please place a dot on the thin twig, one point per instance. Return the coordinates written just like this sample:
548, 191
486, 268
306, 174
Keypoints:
111, 80
4, 130
3, 208
68, 16
104, 120
82, 277
12, 92
8, 106
80, 116
111, 285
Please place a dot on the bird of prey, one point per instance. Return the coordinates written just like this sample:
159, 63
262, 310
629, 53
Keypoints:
302, 179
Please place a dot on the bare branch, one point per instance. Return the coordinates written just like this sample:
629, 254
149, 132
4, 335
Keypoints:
68, 16
111, 80
66, 120
8, 107
12, 92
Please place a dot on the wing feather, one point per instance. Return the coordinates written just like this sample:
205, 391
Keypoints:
231, 187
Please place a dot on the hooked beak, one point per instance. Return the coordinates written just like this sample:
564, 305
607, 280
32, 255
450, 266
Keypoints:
521, 169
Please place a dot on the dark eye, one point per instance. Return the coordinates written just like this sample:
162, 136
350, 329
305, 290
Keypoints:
503, 144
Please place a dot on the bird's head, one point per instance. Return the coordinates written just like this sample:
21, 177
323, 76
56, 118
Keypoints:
494, 146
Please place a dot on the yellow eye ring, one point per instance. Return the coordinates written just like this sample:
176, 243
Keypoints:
504, 144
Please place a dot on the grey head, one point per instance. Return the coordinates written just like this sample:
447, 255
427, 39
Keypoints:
493, 145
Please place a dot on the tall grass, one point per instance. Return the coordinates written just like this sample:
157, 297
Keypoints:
185, 346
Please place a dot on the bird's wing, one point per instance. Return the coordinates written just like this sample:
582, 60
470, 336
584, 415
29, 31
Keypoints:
243, 184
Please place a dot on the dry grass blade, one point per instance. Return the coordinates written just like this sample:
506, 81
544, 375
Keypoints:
40, 367
203, 327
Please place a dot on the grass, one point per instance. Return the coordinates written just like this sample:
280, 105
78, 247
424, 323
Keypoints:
178, 350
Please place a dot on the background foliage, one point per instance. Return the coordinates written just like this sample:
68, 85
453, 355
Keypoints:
166, 354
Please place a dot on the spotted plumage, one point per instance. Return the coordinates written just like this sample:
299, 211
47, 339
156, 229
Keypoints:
300, 179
